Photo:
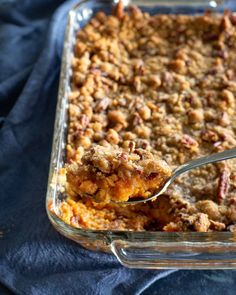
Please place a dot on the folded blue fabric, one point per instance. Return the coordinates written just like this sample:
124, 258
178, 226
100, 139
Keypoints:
34, 258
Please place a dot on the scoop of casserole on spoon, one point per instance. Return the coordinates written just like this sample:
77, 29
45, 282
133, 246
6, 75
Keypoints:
111, 175
108, 174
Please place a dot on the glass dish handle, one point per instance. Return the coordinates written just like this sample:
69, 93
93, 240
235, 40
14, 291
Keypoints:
174, 255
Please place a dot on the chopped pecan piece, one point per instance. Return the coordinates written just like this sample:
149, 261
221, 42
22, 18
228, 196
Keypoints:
136, 119
139, 68
223, 185
232, 228
225, 23
201, 223
209, 135
217, 226
167, 78
131, 146
119, 10
102, 105
232, 18
135, 11
84, 121
189, 142
221, 53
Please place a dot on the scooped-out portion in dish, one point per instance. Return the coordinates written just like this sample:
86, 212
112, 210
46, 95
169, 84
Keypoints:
108, 174
151, 92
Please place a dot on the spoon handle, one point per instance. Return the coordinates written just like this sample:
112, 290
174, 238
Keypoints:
225, 155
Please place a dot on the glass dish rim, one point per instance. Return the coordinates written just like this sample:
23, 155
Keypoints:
222, 237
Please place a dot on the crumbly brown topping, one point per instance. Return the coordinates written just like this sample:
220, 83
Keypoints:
165, 84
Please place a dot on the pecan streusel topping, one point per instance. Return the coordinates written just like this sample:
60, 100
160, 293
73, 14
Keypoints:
165, 85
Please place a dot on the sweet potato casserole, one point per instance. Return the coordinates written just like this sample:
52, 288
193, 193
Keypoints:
148, 94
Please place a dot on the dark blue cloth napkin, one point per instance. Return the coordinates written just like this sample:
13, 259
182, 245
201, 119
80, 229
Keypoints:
34, 258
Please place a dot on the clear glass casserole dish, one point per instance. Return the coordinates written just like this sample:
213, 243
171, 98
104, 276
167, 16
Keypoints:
133, 249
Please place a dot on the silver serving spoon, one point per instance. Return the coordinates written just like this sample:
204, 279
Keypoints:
228, 154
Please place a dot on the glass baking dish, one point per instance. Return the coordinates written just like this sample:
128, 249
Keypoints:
154, 250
